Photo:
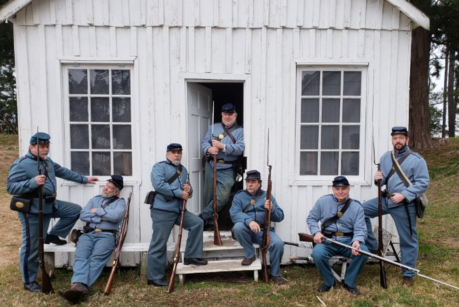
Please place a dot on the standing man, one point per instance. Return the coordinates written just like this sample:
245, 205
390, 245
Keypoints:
228, 144
103, 215
399, 200
248, 214
24, 180
342, 219
170, 181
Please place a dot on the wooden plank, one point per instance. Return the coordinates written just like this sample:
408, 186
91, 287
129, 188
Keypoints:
251, 13
143, 12
113, 47
43, 80
35, 12
332, 14
266, 13
296, 42
125, 13
284, 12
76, 41
412, 12
92, 42
133, 42
312, 43
345, 44
197, 12
208, 49
183, 49
361, 44
235, 14
308, 13
363, 14
68, 12
191, 51
329, 43
218, 266
347, 14
316, 13
248, 50
89, 12
229, 51
300, 13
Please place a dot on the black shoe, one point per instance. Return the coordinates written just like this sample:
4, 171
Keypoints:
278, 280
353, 291
54, 239
33, 287
374, 252
158, 282
209, 227
324, 288
248, 261
196, 261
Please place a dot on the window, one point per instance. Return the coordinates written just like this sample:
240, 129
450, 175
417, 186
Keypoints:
330, 122
100, 121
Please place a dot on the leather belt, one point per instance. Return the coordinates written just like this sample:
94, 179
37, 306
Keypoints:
101, 230
330, 234
221, 161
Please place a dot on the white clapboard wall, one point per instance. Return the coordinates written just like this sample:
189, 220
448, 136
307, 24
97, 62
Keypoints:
258, 42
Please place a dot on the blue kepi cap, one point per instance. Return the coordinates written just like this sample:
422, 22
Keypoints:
174, 147
253, 175
228, 108
117, 180
399, 130
43, 138
340, 181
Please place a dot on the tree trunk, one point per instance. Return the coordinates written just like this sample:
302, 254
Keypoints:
419, 116
451, 101
445, 88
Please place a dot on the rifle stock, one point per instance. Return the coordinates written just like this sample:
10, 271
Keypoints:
46, 286
170, 287
308, 238
217, 238
382, 270
123, 232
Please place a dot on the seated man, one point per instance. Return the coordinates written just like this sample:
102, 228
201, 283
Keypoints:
103, 214
248, 214
342, 219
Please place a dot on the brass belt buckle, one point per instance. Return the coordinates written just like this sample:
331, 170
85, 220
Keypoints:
339, 234
220, 161
98, 230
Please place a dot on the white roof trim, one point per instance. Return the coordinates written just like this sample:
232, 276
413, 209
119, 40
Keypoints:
419, 18
11, 8
413, 13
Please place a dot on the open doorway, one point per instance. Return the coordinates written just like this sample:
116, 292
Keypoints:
199, 101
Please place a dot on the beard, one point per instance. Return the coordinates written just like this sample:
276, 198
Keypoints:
175, 162
107, 195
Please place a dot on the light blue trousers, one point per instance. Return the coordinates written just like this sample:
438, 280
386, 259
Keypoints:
408, 244
322, 253
68, 214
91, 255
163, 222
247, 237
225, 181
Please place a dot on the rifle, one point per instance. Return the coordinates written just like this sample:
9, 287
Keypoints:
123, 233
267, 224
217, 238
170, 287
47, 288
309, 238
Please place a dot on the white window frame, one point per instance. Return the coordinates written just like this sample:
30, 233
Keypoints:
363, 67
67, 65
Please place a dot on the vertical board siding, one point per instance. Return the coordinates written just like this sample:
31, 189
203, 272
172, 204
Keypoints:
258, 38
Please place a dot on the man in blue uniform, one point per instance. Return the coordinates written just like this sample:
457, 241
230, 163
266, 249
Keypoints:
248, 214
399, 200
342, 219
103, 215
227, 142
24, 180
170, 181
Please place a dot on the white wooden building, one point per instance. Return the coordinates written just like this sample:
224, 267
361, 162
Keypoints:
115, 81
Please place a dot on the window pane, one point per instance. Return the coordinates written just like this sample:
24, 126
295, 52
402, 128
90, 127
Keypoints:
100, 110
121, 109
350, 163
100, 136
310, 110
123, 163
329, 163
351, 137
79, 137
121, 82
101, 164
80, 162
351, 110
330, 137
78, 81
352, 83
308, 163
122, 137
309, 137
310, 83
78, 109
331, 83
99, 81
330, 110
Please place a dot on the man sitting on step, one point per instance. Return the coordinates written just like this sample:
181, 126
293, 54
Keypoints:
248, 214
103, 214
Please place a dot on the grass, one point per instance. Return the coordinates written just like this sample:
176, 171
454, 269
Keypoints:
439, 259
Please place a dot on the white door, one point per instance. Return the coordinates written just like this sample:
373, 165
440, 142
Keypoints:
199, 100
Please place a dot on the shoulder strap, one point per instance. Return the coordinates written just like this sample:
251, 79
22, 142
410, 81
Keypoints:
175, 176
228, 131
334, 218
398, 169
399, 161
109, 201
